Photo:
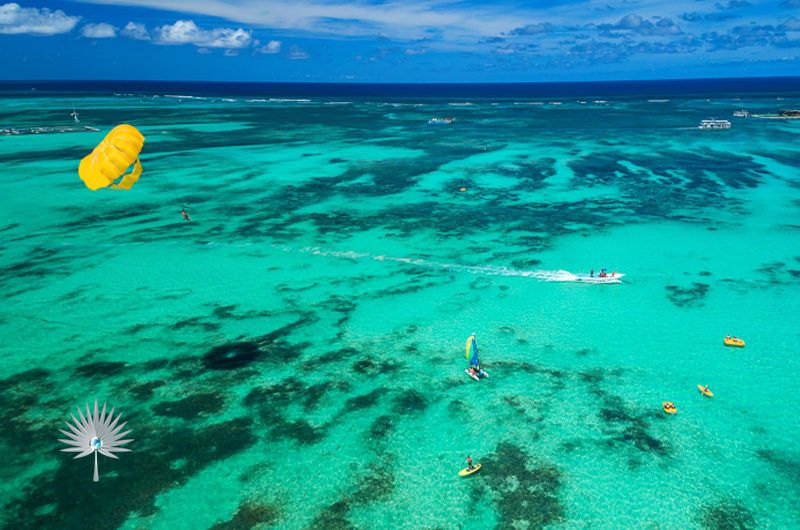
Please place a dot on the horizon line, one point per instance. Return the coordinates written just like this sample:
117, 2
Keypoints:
339, 82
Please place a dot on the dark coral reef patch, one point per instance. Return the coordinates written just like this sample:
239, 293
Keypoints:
189, 408
687, 296
525, 490
250, 514
726, 514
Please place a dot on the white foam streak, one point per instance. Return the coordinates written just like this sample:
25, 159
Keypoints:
487, 270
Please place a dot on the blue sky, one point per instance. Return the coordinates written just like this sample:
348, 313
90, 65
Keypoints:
418, 41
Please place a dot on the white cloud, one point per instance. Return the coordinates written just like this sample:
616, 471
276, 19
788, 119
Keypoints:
204, 51
395, 19
16, 20
533, 29
230, 53
273, 46
135, 31
296, 53
187, 32
790, 25
99, 31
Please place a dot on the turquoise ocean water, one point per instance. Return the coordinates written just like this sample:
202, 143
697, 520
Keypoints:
293, 357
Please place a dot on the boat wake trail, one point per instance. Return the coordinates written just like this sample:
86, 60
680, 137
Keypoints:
486, 270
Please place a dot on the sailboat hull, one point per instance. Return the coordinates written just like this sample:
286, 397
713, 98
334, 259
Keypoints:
476, 377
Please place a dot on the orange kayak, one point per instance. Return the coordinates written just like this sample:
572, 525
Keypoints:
704, 390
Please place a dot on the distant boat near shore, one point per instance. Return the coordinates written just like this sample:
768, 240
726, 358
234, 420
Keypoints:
20, 131
714, 124
784, 114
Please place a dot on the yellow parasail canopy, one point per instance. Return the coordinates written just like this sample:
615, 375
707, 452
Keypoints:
112, 158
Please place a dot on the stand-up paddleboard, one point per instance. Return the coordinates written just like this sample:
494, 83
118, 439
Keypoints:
704, 391
468, 471
476, 377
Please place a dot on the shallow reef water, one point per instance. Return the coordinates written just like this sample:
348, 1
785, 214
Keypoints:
294, 356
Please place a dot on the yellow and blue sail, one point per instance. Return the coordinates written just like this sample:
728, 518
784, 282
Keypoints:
472, 352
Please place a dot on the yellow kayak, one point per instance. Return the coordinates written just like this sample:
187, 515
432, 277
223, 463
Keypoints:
705, 390
469, 471
669, 407
734, 342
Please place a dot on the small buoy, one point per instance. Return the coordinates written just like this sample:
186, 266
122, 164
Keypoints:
463, 189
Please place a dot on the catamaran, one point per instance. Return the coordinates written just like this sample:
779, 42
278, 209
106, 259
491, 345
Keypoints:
474, 371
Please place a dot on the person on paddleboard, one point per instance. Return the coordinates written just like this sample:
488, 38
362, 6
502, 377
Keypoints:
469, 462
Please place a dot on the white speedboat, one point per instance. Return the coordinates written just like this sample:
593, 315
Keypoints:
608, 278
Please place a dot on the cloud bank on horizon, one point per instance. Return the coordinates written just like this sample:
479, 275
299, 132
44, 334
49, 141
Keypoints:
417, 40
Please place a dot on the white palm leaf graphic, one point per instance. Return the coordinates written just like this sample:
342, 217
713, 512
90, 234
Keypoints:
95, 434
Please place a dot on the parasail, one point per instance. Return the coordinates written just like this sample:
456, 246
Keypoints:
112, 158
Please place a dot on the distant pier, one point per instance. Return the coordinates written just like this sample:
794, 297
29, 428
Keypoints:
787, 114
19, 131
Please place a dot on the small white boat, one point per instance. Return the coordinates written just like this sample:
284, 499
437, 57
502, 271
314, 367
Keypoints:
714, 124
588, 278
